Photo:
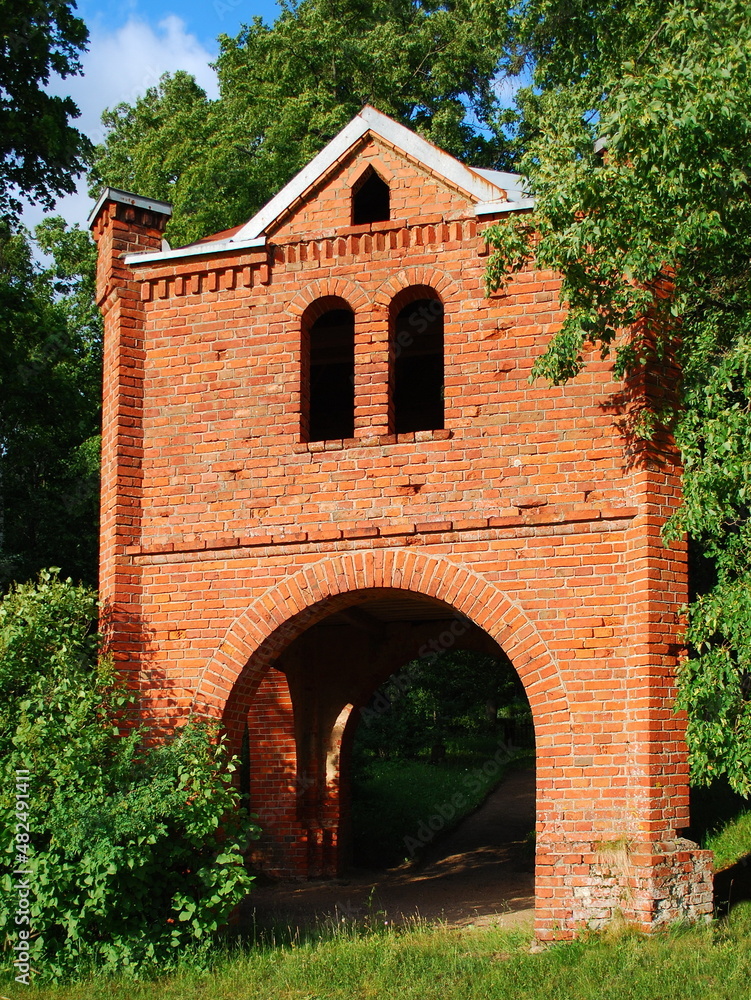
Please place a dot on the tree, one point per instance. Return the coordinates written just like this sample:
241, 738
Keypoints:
454, 694
50, 348
287, 89
665, 87
40, 152
166, 145
50, 384
134, 848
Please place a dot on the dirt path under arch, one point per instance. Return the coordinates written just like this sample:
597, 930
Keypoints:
481, 874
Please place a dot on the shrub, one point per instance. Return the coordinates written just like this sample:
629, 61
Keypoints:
134, 851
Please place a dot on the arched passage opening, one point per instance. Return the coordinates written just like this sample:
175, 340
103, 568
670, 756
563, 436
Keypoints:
436, 744
305, 708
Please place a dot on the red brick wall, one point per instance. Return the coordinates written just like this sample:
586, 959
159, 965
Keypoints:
415, 193
226, 536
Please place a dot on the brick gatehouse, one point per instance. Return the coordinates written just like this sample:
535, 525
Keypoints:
322, 456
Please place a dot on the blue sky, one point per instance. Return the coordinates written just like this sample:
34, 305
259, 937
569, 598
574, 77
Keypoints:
205, 19
132, 43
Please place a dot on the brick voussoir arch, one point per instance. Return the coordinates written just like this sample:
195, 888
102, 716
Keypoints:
340, 288
273, 620
411, 276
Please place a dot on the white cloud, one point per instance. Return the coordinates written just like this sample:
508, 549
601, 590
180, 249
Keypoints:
120, 66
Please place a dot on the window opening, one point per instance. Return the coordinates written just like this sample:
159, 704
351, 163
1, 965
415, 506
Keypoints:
331, 401
417, 367
370, 199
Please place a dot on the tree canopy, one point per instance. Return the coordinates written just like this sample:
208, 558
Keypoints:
50, 345
50, 382
40, 151
287, 89
438, 697
665, 88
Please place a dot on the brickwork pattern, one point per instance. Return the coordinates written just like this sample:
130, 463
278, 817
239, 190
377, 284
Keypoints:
226, 537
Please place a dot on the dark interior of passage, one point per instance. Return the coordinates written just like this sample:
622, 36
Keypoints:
370, 199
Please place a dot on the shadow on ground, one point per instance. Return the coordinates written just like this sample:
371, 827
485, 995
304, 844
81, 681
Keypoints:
481, 874
732, 886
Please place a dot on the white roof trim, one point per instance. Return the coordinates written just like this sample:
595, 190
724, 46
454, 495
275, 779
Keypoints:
126, 198
513, 184
197, 250
370, 120
501, 207
305, 178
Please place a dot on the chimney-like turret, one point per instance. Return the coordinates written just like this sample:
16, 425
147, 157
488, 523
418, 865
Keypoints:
121, 224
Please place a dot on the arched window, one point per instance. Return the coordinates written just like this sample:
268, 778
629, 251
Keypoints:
328, 377
370, 199
417, 362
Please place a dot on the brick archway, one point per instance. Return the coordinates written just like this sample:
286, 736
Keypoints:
225, 536
439, 281
274, 620
340, 288
300, 807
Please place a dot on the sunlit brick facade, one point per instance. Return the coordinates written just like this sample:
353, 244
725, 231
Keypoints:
271, 580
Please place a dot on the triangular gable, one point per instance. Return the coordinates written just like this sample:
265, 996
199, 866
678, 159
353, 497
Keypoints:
492, 191
480, 186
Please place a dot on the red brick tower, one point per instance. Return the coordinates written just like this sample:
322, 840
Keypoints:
323, 457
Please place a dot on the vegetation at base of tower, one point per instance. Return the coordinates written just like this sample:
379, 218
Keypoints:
667, 86
287, 89
40, 151
721, 823
50, 409
133, 849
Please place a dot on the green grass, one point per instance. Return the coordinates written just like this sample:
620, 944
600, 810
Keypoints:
370, 961
731, 842
721, 822
393, 800
713, 963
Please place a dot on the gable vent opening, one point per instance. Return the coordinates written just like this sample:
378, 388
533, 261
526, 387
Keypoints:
370, 199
